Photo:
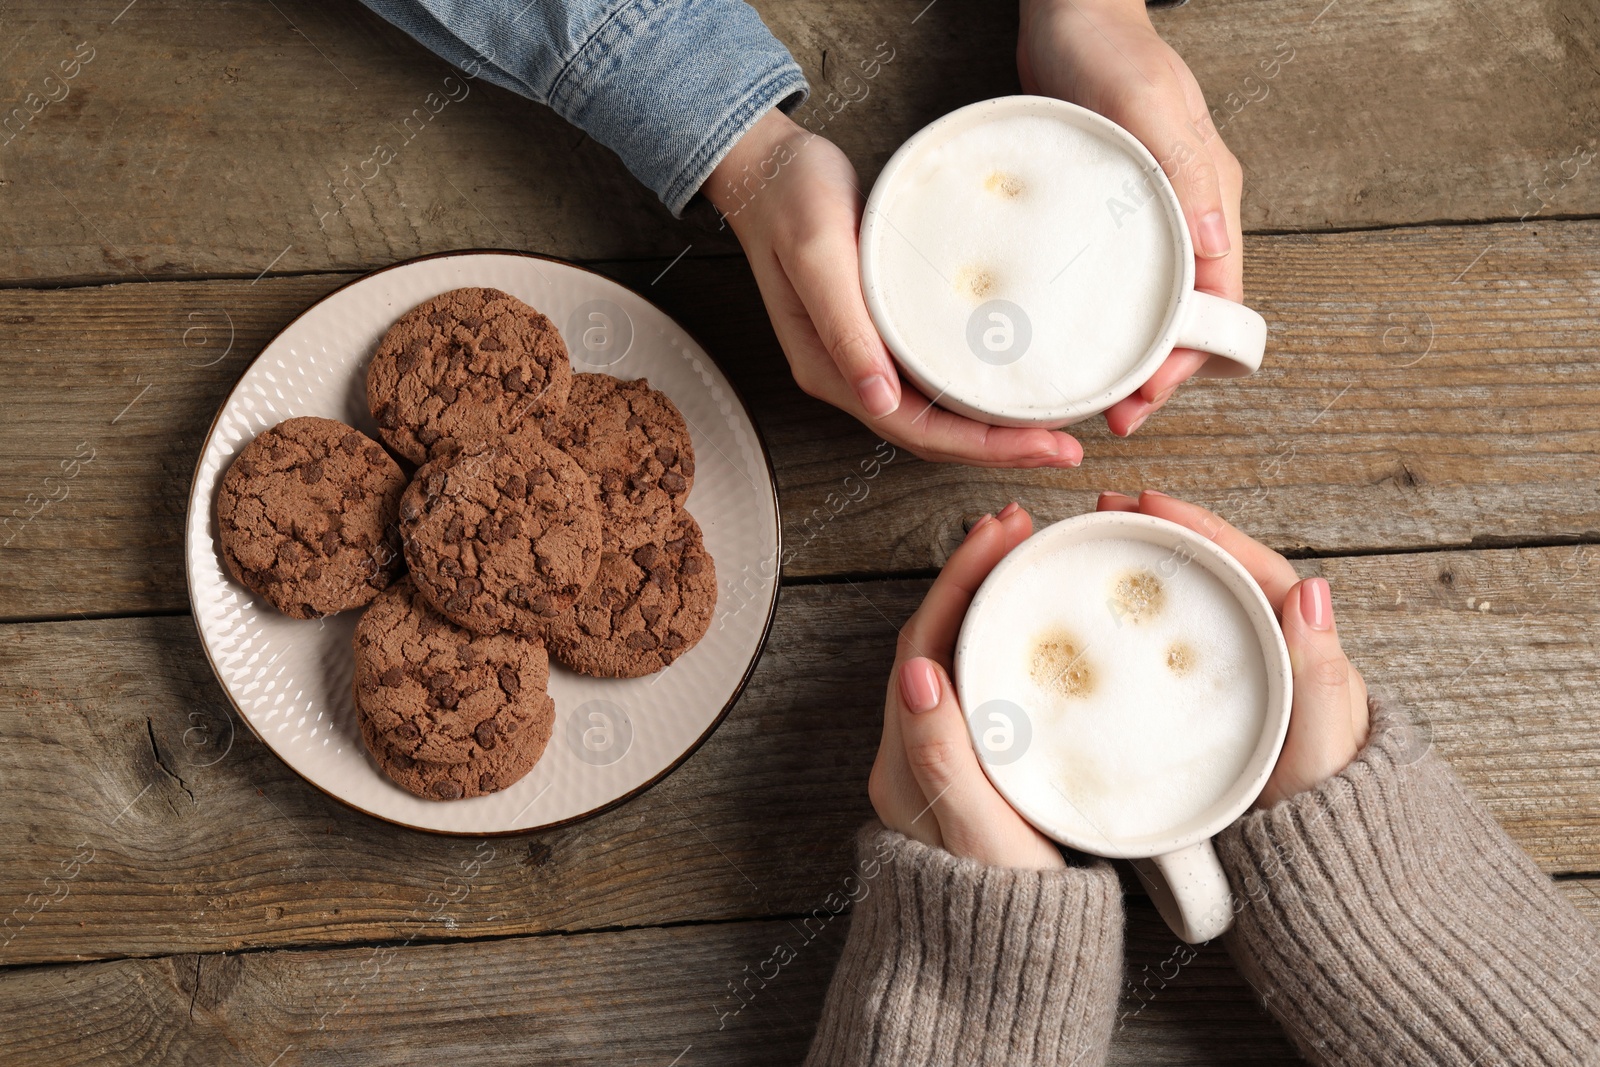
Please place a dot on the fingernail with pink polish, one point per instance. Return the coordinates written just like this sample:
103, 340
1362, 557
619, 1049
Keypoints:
1214, 243
1009, 510
877, 395
919, 685
980, 524
1316, 603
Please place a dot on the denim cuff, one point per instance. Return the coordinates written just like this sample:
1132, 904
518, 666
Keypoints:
671, 85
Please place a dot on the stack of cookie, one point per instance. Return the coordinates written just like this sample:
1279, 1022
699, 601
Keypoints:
546, 513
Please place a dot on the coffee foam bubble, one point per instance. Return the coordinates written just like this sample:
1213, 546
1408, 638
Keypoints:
1054, 219
1141, 719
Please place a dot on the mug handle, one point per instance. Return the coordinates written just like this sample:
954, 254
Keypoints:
1232, 332
1190, 890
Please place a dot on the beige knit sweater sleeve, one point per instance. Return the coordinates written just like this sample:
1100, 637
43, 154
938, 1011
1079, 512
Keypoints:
1385, 918
951, 962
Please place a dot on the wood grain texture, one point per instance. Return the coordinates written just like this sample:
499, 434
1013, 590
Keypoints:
199, 839
639, 997
1428, 387
206, 141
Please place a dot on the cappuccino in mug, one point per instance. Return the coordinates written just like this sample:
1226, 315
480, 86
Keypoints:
1127, 690
1027, 263
1143, 681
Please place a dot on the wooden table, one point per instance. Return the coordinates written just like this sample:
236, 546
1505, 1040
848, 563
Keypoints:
1422, 208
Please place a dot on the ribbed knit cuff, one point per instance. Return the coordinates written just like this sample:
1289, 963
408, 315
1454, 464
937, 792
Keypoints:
949, 961
1385, 918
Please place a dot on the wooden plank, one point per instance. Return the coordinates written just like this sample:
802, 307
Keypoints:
205, 141
1425, 387
179, 835
640, 996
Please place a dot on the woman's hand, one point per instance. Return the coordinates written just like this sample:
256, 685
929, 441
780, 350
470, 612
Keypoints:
1328, 721
794, 202
1104, 55
926, 782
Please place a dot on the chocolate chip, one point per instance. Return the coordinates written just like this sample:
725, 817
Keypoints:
542, 605
313, 573
386, 417
510, 681
409, 511
516, 485
439, 680
650, 612
450, 567
446, 789
311, 473
408, 730
673, 482
687, 466
428, 436
455, 530
692, 565
472, 322
634, 422
392, 677
440, 318
446, 392
377, 456
646, 555
330, 543
446, 698
351, 443
665, 454
458, 605
514, 381
292, 552
470, 586
642, 642
407, 360
485, 734
676, 545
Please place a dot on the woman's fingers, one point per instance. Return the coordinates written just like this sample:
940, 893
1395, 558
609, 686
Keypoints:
1325, 729
1270, 570
973, 819
943, 436
893, 789
825, 273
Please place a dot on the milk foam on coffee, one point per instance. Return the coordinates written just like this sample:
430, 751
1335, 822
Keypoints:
1142, 679
1059, 221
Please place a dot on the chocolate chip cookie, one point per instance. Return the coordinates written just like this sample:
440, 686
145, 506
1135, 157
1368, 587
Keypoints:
634, 442
643, 610
306, 517
502, 535
442, 694
467, 366
452, 781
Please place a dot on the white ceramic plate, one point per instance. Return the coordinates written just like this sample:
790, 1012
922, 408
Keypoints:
290, 679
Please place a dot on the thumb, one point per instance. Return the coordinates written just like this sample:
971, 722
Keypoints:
1198, 183
974, 820
1324, 734
826, 277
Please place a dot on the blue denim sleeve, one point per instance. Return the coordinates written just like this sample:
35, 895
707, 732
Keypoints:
669, 85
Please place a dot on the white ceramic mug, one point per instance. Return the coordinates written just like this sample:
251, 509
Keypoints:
1234, 334
1179, 867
